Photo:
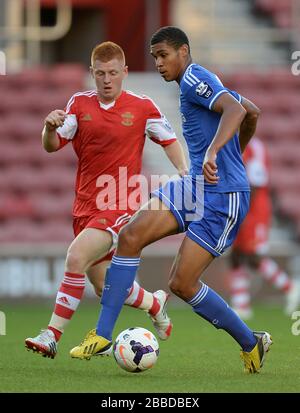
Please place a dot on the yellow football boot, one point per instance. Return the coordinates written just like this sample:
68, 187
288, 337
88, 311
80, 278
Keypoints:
254, 359
92, 345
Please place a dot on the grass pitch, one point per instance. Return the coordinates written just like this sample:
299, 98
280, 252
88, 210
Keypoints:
196, 359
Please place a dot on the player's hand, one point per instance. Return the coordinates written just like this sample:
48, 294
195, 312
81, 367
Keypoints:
210, 169
55, 119
183, 171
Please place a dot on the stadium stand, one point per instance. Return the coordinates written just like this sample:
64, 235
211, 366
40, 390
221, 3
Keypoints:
279, 10
276, 92
37, 188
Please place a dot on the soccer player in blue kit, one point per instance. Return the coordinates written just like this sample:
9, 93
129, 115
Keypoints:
217, 125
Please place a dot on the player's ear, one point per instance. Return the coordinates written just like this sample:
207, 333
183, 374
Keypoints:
184, 50
125, 71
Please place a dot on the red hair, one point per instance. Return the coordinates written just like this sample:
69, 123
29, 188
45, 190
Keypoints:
107, 51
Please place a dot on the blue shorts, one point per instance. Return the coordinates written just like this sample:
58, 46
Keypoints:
211, 219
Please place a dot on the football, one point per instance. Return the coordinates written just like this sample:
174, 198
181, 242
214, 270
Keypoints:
136, 349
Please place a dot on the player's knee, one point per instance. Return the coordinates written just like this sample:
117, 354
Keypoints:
74, 262
129, 240
178, 288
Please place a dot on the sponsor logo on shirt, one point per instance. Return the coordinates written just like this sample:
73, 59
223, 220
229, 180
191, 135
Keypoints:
127, 119
204, 90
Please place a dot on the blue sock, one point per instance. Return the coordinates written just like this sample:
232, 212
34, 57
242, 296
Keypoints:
119, 279
209, 305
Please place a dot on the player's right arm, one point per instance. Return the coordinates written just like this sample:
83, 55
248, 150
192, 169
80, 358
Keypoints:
50, 139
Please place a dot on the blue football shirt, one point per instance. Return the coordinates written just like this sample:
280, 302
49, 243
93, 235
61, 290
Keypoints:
199, 89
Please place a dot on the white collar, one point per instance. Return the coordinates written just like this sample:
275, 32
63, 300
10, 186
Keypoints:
108, 106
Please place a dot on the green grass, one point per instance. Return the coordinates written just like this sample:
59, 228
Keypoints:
197, 358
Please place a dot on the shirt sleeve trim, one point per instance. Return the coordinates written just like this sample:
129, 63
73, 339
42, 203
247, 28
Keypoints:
216, 97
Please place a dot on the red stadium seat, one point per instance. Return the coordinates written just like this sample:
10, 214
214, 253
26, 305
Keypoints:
283, 19
267, 102
32, 154
23, 127
37, 188
58, 179
281, 128
33, 77
27, 230
285, 180
57, 231
66, 75
283, 153
13, 206
276, 102
244, 80
14, 102
21, 180
19, 230
51, 100
286, 103
289, 204
35, 101
37, 179
44, 206
281, 79
280, 10
10, 155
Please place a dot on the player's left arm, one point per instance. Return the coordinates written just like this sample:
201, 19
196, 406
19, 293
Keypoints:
232, 117
248, 126
175, 153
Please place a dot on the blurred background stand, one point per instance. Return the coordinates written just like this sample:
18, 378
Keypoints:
47, 45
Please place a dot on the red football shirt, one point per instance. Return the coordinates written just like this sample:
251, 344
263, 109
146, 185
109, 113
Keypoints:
258, 171
106, 138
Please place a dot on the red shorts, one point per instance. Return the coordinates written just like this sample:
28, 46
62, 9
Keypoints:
253, 235
111, 221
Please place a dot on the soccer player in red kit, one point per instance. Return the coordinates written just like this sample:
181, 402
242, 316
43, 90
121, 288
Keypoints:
250, 249
107, 128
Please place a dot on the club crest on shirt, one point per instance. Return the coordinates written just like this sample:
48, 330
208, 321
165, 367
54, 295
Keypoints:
127, 119
204, 90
